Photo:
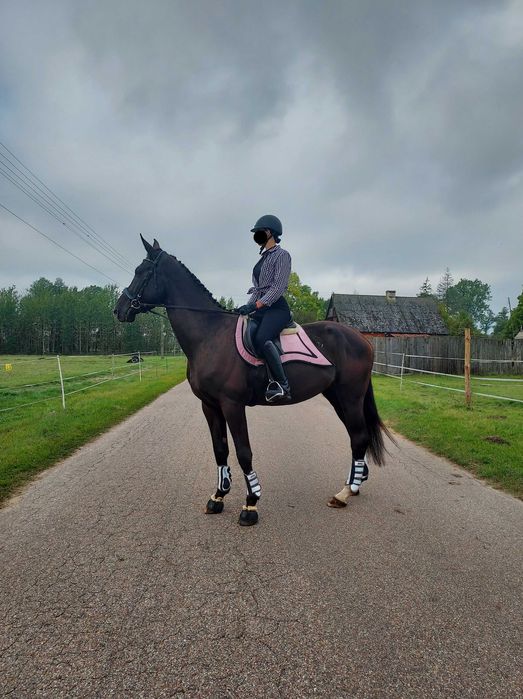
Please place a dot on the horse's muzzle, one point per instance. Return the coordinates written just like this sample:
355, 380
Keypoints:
124, 310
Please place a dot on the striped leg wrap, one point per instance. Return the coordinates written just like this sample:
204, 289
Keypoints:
253, 484
224, 478
359, 472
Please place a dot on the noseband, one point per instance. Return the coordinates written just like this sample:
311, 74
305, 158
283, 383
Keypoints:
136, 300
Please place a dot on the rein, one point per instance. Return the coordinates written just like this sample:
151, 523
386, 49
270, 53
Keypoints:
139, 305
181, 308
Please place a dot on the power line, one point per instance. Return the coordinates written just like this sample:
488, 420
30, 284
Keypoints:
58, 244
39, 193
81, 222
39, 196
86, 225
23, 188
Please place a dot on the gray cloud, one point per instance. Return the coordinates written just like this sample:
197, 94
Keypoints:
385, 135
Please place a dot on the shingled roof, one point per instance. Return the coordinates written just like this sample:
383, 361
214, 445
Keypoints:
388, 314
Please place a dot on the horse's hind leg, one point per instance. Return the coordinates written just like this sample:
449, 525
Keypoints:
350, 411
218, 429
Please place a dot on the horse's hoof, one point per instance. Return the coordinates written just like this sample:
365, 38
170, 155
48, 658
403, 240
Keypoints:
214, 507
334, 502
248, 518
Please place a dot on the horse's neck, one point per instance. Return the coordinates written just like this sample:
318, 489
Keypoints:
184, 289
192, 328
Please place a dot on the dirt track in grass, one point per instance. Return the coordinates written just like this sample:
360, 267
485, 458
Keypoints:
114, 582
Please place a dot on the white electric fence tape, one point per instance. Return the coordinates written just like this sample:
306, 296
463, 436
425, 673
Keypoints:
70, 378
405, 371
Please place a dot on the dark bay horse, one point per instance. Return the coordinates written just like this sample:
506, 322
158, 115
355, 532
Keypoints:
225, 383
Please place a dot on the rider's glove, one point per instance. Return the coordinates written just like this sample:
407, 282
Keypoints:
246, 309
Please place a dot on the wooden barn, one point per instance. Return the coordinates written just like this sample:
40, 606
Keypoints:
388, 315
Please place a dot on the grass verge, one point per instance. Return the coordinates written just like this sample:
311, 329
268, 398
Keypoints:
487, 440
35, 437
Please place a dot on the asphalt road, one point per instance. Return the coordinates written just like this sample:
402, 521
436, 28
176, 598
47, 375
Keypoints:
115, 584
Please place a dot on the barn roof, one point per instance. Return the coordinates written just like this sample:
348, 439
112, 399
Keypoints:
394, 314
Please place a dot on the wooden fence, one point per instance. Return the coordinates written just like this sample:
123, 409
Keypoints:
446, 354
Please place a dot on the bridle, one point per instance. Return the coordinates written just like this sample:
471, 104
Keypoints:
136, 300
139, 305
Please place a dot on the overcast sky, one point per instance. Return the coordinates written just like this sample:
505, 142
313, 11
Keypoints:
387, 136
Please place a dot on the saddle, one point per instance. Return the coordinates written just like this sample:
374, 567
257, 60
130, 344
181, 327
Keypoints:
251, 326
294, 345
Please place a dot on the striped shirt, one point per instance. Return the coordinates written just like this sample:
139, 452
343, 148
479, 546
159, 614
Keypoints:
274, 277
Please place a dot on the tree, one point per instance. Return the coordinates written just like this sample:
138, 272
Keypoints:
442, 290
500, 321
471, 297
227, 303
8, 320
306, 305
425, 290
515, 322
458, 322
37, 311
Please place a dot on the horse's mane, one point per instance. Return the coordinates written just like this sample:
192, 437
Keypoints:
198, 283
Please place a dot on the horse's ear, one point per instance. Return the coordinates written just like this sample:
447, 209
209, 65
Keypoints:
146, 245
156, 245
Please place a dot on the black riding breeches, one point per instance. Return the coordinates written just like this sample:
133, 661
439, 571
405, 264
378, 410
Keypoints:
271, 322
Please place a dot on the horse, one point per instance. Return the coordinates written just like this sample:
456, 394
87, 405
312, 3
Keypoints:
225, 383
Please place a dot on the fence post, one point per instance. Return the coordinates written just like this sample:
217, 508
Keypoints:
140, 365
61, 380
112, 364
402, 369
468, 394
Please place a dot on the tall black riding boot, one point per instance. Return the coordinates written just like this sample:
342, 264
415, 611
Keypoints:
278, 390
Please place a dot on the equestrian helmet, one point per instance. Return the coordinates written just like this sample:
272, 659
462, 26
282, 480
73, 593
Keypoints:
273, 223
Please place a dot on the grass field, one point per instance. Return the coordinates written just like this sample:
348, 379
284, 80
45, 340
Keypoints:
100, 391
487, 439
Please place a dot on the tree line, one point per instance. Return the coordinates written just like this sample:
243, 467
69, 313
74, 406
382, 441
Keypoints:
466, 304
53, 318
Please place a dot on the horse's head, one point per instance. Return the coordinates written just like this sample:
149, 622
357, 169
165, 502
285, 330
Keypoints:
147, 289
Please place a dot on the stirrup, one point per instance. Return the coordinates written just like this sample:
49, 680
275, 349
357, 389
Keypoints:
275, 392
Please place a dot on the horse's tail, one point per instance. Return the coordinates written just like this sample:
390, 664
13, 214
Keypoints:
375, 427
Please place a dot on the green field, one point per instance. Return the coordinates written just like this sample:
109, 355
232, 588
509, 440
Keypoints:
100, 391
486, 439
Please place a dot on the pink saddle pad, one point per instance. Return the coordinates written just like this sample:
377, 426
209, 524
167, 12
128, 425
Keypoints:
297, 347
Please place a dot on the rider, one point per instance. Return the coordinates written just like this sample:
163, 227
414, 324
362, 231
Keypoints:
271, 311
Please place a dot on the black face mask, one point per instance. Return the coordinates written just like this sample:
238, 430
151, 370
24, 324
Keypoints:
260, 237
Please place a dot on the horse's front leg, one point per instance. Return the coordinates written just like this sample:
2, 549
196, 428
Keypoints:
237, 421
218, 429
